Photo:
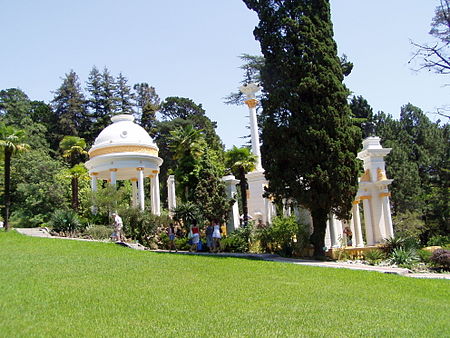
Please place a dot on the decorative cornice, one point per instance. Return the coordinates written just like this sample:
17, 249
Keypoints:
123, 149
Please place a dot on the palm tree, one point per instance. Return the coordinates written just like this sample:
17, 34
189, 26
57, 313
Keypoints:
187, 145
241, 161
73, 148
11, 141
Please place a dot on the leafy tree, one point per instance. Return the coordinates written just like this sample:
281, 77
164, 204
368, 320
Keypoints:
148, 103
39, 187
309, 145
14, 106
436, 56
180, 107
12, 141
419, 165
69, 106
125, 98
241, 161
73, 148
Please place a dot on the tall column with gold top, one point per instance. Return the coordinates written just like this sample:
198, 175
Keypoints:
250, 90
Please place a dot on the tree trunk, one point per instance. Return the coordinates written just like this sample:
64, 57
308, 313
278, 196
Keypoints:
75, 193
317, 238
243, 185
7, 196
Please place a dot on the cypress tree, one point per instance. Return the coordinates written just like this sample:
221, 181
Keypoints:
309, 144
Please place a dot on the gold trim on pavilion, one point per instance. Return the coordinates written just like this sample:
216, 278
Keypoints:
366, 176
381, 175
123, 149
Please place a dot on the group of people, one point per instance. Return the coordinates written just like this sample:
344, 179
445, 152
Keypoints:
213, 234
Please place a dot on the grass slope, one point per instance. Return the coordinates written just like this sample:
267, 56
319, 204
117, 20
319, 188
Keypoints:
57, 288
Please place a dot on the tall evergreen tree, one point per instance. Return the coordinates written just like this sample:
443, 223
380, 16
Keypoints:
124, 96
309, 144
69, 106
148, 103
102, 101
362, 114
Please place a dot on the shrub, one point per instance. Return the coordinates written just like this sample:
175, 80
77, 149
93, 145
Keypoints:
439, 240
142, 225
403, 257
441, 259
99, 232
285, 236
182, 243
237, 241
374, 256
425, 256
399, 242
65, 221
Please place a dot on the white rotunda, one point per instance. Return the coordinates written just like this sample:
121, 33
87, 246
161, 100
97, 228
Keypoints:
125, 151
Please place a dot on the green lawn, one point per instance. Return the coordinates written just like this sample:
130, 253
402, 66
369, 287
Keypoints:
61, 288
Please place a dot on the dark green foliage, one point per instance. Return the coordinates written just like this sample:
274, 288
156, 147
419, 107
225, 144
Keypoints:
439, 240
362, 114
65, 221
419, 163
186, 213
124, 96
180, 107
424, 256
69, 106
39, 187
395, 243
237, 241
148, 103
142, 225
309, 144
210, 194
284, 236
441, 259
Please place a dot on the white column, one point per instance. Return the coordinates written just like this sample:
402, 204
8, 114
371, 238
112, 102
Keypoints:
94, 182
333, 235
357, 234
368, 222
156, 203
94, 189
134, 193
379, 228
141, 188
171, 196
233, 217
387, 215
250, 90
113, 176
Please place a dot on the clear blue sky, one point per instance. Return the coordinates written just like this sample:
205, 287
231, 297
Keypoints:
191, 48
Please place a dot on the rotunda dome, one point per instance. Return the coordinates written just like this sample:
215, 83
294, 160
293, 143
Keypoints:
123, 135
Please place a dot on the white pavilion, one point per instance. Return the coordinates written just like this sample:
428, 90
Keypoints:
125, 151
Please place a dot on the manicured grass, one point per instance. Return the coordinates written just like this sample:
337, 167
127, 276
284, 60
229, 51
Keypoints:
61, 288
